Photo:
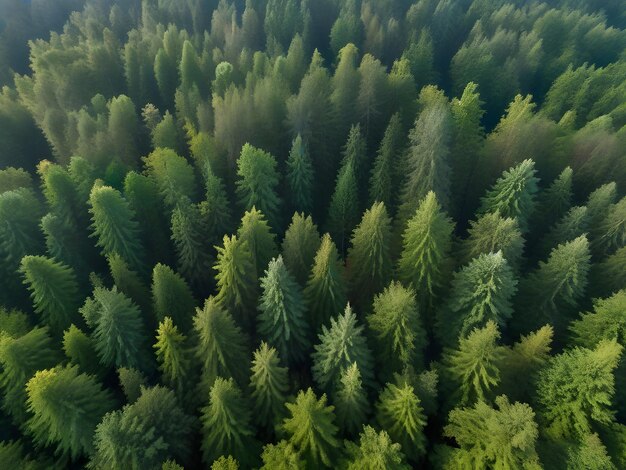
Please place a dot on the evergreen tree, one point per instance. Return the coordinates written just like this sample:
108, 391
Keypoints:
256, 232
221, 347
369, 258
386, 175
283, 313
129, 282
54, 290
341, 346
375, 451
481, 292
345, 88
172, 297
608, 276
607, 321
396, 328
576, 388
66, 406
400, 414
216, 208
351, 401
555, 200
270, 384
173, 176
172, 355
114, 225
258, 181
502, 437
343, 212
301, 242
226, 424
65, 244
513, 194
599, 203
610, 235
300, 176
311, 429
166, 135
80, 350
61, 193
325, 292
355, 153
590, 454
225, 463
281, 456
132, 383
571, 226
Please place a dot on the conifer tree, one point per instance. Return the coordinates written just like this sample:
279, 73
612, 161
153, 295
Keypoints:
590, 454
173, 176
270, 384
216, 208
129, 282
236, 279
114, 225
502, 437
426, 245
513, 194
554, 202
599, 203
172, 297
611, 233
60, 192
132, 383
355, 153
325, 292
221, 347
474, 366
396, 328
172, 355
343, 213
576, 388
166, 135
481, 292
375, 451
345, 88
400, 414
258, 181
226, 424
606, 321
281, 456
283, 313
369, 258
64, 244
608, 276
351, 401
189, 235
301, 242
340, 346
311, 429
386, 175
572, 225
225, 463
66, 407
256, 232
300, 176
54, 290
80, 350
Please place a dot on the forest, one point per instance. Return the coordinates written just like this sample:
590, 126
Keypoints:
309, 234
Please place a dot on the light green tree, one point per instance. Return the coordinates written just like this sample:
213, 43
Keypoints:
375, 451
350, 401
301, 242
270, 384
172, 355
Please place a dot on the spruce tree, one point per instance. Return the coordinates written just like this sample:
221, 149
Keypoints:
481, 291
172, 297
513, 194
355, 153
375, 451
281, 456
81, 351
129, 282
400, 414
610, 235
61, 193
397, 329
386, 175
369, 258
572, 225
172, 355
225, 463
325, 292
589, 454
172, 174
606, 321
216, 208
300, 176
65, 244
132, 383
340, 346
599, 203
609, 275
66, 407
301, 242
282, 319
311, 429
54, 290
256, 232
350, 401
270, 384
343, 212
554, 202
226, 424
221, 346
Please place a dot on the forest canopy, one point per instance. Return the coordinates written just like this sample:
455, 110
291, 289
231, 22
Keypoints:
307, 234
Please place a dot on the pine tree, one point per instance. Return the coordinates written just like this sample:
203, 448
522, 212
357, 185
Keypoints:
129, 283
281, 456
301, 242
132, 383
608, 276
554, 202
216, 208
256, 232
172, 174
340, 346
221, 346
114, 225
571, 226
54, 290
311, 429
172, 297
396, 328
258, 181
225, 463
270, 384
355, 153
481, 292
369, 258
607, 321
166, 135
325, 292
65, 244
351, 401
226, 424
474, 367
81, 351
400, 414
426, 245
502, 437
590, 454
282, 320
576, 388
61, 193
236, 279
610, 235
513, 194
343, 212
386, 175
599, 203
66, 407
300, 176
172, 355
375, 451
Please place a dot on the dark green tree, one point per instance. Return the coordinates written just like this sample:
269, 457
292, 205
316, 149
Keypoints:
172, 297
343, 213
270, 383
81, 351
257, 234
386, 174
351, 401
130, 283
301, 242
300, 176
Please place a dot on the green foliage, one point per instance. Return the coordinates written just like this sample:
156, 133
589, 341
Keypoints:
216, 208
129, 282
375, 451
609, 275
165, 134
173, 175
606, 322
225, 463
385, 172
556, 199
590, 454
611, 233
281, 456
351, 401
300, 176
343, 213
172, 355
299, 246
132, 382
270, 385
256, 232
572, 225
80, 350
172, 297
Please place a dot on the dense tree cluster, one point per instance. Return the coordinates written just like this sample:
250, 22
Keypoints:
305, 234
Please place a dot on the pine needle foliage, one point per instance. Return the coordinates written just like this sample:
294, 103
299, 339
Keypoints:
270, 384
301, 242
